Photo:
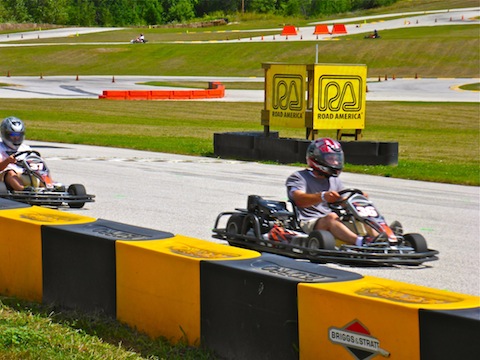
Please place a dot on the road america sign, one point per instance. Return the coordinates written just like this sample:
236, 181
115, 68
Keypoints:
339, 100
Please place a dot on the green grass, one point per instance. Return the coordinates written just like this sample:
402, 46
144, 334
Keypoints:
443, 138
33, 331
449, 51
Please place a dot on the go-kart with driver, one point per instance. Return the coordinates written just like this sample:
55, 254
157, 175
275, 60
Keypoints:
40, 189
25, 175
272, 226
307, 226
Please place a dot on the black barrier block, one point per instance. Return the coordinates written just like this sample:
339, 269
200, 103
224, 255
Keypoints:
237, 145
370, 152
249, 307
282, 150
10, 204
449, 334
79, 263
302, 150
255, 146
388, 153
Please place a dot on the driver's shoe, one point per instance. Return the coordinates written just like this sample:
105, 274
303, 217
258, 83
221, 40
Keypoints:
380, 239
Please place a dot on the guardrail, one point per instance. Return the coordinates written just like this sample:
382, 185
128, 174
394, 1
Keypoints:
242, 304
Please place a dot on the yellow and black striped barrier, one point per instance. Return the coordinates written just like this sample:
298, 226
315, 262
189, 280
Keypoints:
240, 303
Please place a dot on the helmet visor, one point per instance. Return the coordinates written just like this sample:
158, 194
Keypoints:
334, 160
16, 137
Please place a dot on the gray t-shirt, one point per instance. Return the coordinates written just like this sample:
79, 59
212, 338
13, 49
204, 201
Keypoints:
306, 181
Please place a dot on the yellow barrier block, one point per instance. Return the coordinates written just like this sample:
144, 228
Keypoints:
21, 248
367, 317
158, 284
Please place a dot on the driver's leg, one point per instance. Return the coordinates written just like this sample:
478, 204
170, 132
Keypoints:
13, 181
332, 223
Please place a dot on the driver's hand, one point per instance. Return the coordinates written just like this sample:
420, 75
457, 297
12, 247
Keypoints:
11, 159
331, 196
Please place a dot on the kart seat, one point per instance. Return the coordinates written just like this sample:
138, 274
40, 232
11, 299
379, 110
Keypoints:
270, 208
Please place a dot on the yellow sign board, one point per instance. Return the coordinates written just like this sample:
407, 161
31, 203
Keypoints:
285, 94
339, 96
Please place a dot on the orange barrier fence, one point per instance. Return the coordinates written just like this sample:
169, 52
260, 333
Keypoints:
289, 30
215, 90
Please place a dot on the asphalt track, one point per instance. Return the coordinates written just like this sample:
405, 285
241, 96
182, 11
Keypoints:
184, 194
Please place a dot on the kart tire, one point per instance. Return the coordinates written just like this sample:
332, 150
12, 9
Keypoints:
234, 224
3, 189
416, 241
320, 239
77, 189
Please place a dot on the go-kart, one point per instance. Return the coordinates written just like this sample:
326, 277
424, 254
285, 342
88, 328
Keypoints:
40, 189
138, 41
272, 226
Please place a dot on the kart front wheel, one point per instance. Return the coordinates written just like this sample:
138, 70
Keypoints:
417, 242
77, 189
320, 239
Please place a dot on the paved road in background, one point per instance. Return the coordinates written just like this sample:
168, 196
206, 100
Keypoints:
90, 87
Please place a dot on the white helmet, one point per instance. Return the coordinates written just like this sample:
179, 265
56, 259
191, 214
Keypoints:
13, 132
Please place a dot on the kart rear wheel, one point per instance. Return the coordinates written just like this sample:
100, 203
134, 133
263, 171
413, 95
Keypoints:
234, 224
77, 189
416, 241
320, 239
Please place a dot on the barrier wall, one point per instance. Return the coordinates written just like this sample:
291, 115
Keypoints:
79, 262
372, 316
256, 146
254, 302
239, 303
159, 284
215, 90
21, 248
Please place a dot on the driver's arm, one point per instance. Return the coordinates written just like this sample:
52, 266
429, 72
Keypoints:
7, 161
303, 199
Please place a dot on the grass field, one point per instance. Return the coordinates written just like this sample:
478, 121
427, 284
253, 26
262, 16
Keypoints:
438, 142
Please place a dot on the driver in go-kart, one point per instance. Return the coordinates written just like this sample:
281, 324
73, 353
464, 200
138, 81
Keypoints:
313, 188
13, 133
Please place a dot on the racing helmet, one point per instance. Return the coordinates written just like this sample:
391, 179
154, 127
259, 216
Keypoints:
13, 132
325, 156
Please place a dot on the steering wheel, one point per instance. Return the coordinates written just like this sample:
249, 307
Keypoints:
28, 152
337, 205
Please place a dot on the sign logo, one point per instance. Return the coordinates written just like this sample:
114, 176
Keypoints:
340, 93
199, 253
408, 296
356, 338
50, 218
287, 92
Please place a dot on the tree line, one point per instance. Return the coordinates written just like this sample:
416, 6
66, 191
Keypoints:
158, 12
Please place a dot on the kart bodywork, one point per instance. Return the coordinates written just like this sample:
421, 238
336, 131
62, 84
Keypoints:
40, 189
272, 226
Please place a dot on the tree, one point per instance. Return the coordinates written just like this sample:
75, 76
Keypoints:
179, 10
